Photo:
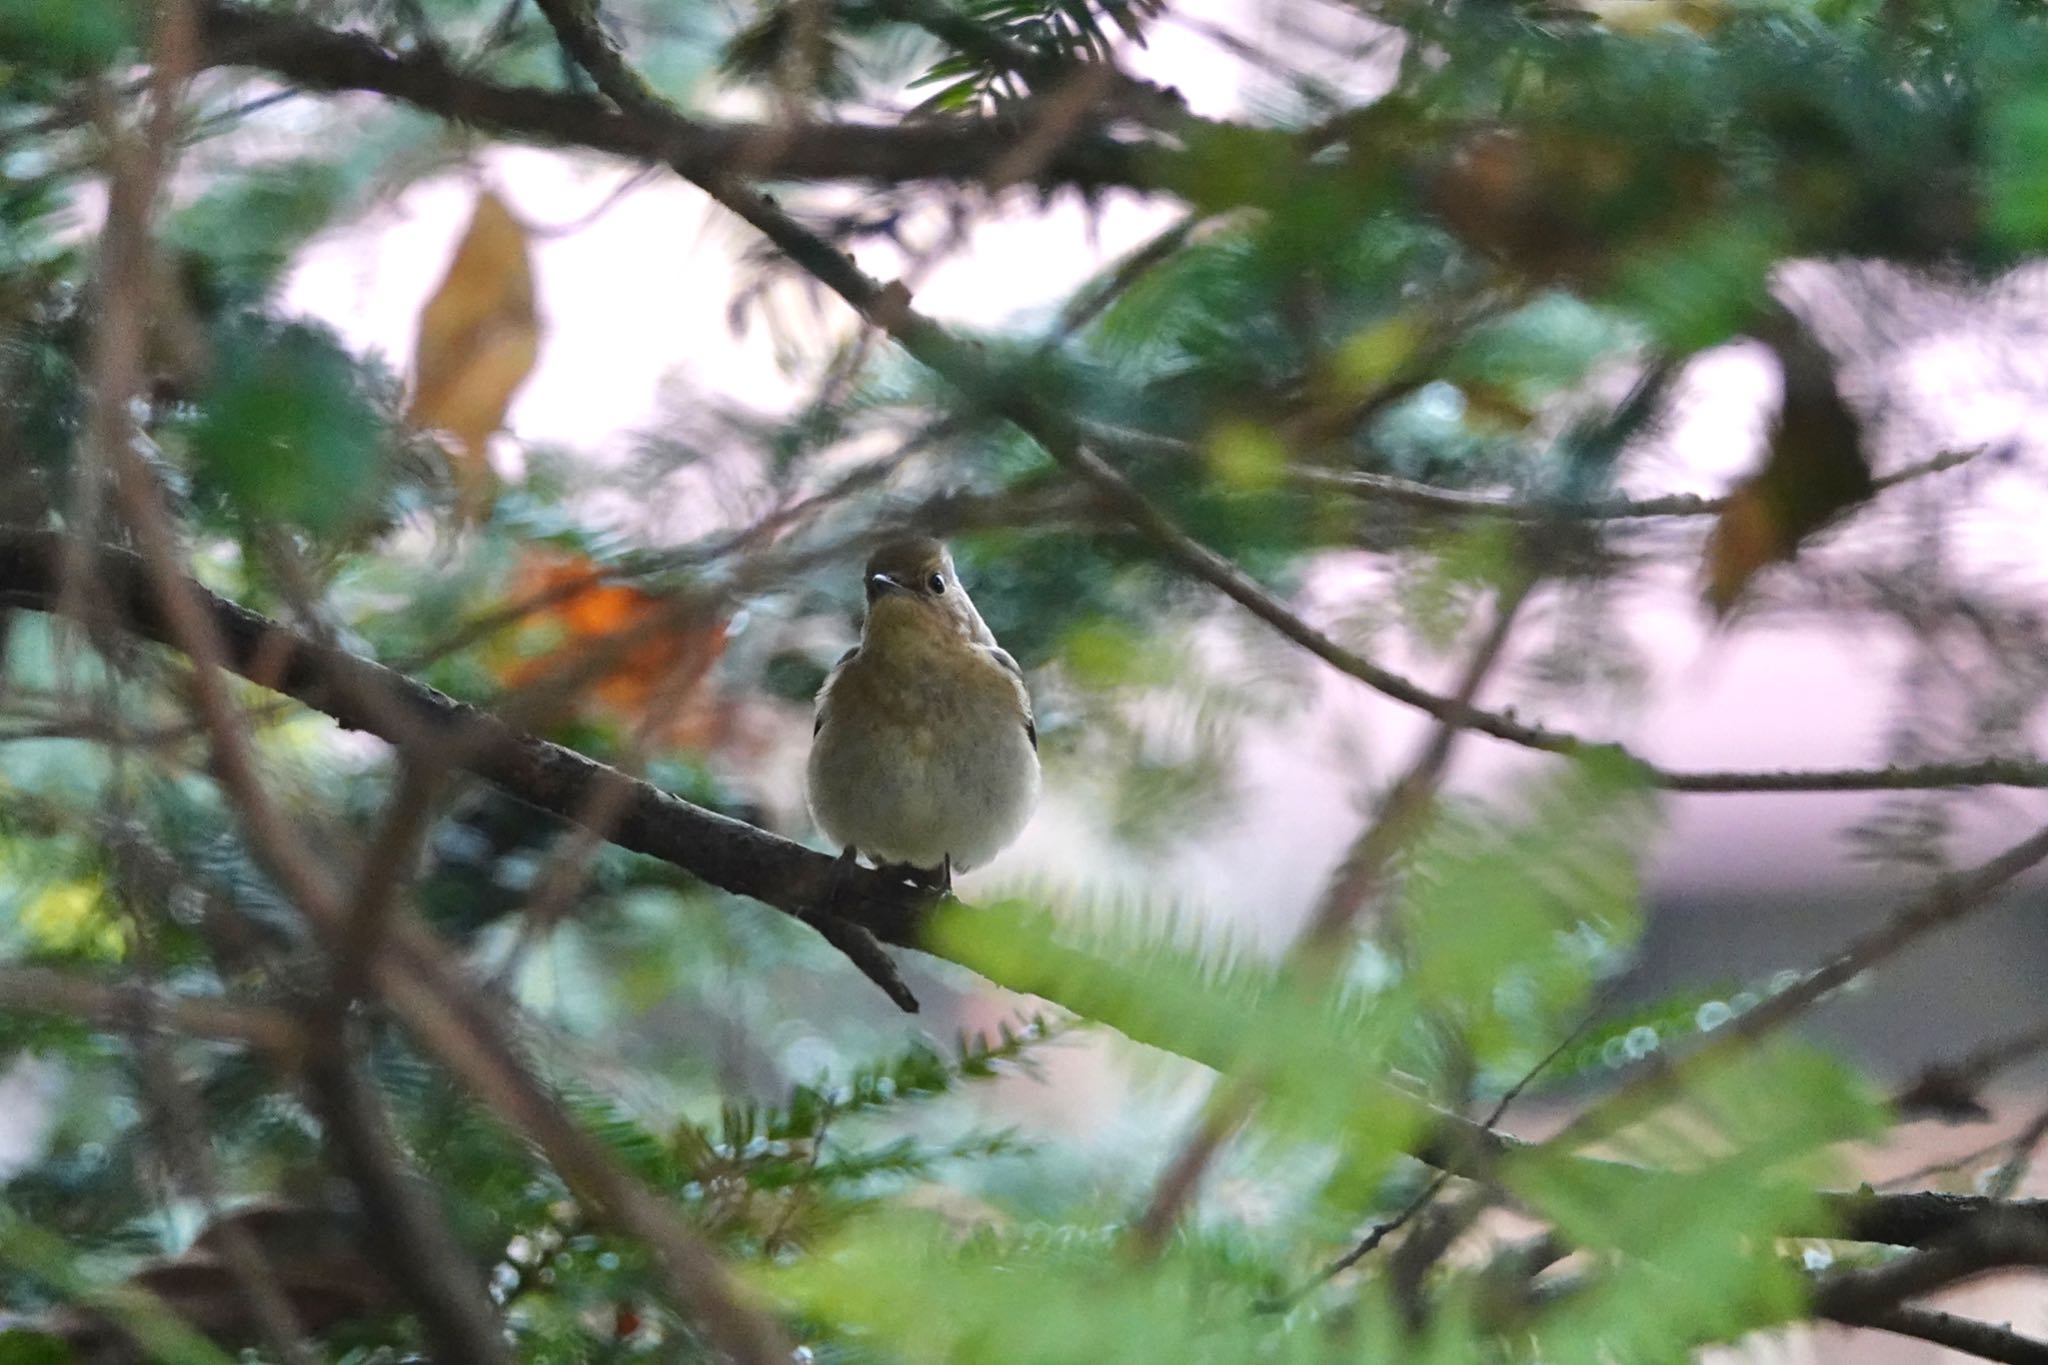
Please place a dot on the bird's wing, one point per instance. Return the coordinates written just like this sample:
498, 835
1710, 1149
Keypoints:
818, 716
1003, 657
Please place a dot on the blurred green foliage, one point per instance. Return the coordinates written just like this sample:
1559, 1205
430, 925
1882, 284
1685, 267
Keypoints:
45, 39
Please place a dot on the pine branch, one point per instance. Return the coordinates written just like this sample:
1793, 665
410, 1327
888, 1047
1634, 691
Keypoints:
312, 57
365, 696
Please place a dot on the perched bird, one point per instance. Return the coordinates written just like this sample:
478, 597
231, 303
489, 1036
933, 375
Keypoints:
924, 753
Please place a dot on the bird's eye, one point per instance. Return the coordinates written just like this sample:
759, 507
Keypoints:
937, 583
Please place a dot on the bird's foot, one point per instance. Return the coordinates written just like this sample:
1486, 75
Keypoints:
937, 879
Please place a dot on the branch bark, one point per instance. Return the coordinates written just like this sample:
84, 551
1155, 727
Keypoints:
405, 1227
305, 54
727, 853
126, 1006
1985, 1340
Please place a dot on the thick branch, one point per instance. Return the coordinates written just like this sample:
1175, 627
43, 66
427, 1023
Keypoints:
727, 853
1996, 1241
311, 57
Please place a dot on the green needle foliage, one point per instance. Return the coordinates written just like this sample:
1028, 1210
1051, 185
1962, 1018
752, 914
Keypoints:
343, 1032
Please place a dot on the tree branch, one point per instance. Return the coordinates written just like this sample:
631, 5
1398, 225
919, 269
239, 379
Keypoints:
427, 992
312, 57
1985, 1340
1950, 899
1452, 502
1994, 1241
727, 853
125, 1006
404, 1226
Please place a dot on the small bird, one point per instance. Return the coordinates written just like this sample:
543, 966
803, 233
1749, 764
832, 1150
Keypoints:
924, 752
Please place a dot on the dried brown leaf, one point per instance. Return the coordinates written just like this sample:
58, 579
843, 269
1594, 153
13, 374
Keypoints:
479, 336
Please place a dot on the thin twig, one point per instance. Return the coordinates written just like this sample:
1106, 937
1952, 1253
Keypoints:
1452, 502
1952, 899
404, 1225
125, 1006
1985, 1340
1381, 1231
1949, 1089
387, 866
1396, 819
2006, 1179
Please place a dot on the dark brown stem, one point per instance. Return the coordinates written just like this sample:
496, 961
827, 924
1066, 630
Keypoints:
312, 57
403, 1225
1985, 1340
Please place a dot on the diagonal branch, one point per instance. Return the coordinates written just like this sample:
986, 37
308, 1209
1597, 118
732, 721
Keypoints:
1950, 899
126, 1007
1985, 1340
727, 853
404, 1227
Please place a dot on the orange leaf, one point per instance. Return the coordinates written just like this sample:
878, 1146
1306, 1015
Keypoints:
478, 338
629, 653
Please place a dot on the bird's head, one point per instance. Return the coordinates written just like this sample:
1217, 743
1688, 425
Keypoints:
911, 585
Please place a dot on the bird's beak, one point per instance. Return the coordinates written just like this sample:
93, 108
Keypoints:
880, 584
